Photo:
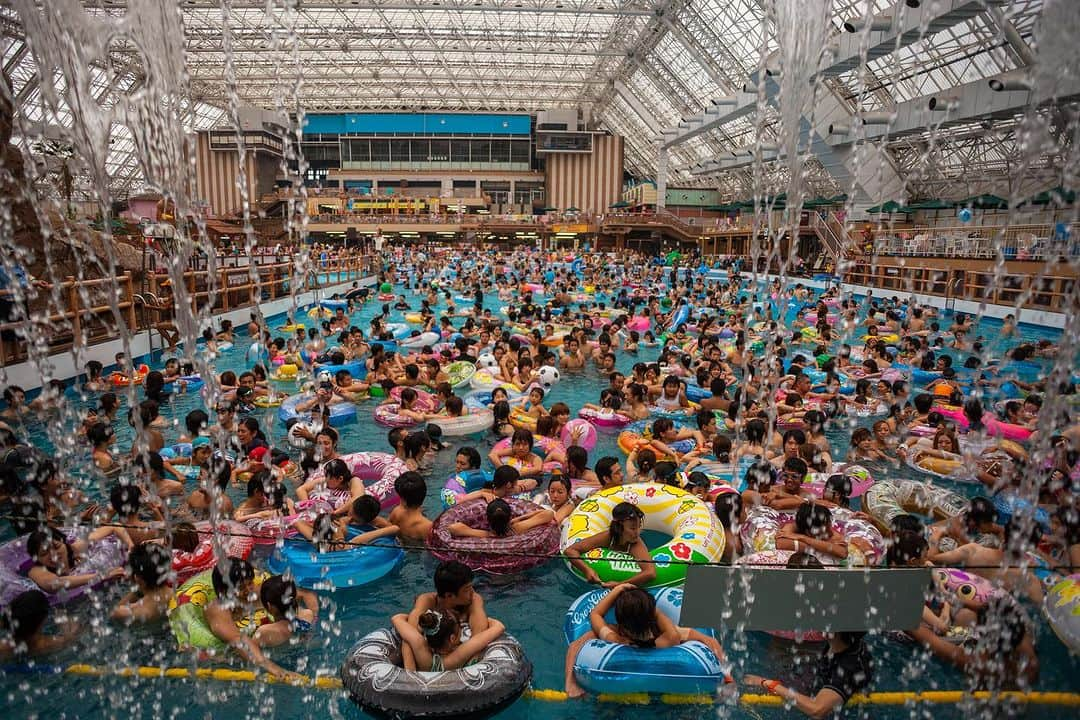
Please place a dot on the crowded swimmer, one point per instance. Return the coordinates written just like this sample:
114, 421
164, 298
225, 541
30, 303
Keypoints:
609, 418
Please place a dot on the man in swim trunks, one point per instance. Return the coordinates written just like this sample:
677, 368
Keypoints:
453, 594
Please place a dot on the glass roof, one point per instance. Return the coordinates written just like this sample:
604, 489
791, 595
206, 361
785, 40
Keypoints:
673, 56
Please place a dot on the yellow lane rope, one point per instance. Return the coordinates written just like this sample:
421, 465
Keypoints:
329, 682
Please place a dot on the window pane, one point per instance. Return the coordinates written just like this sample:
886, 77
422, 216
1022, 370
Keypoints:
380, 150
361, 150
481, 151
519, 151
399, 151
419, 150
459, 151
500, 151
440, 151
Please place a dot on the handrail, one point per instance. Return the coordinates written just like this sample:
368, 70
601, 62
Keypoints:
74, 320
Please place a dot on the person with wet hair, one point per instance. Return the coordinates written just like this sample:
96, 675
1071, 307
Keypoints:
638, 623
812, 532
236, 595
294, 611
624, 535
844, 668
501, 522
150, 568
438, 645
22, 628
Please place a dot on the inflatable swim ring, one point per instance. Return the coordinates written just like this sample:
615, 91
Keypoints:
269, 401
865, 544
119, 379
235, 539
416, 342
888, 499
340, 413
696, 534
522, 420
188, 621
1008, 504
460, 373
335, 305
378, 683
350, 567
389, 414
604, 418
968, 586
492, 555
1062, 608
102, 556
606, 667
476, 421
628, 441
378, 471
289, 328
461, 483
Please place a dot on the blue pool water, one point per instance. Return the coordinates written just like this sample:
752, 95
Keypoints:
532, 605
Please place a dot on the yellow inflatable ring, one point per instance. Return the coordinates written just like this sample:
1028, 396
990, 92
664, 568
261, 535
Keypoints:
554, 341
888, 338
269, 401
696, 534
319, 312
291, 328
415, 318
522, 420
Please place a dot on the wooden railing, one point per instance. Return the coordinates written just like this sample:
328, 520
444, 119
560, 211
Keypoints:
1052, 290
1015, 242
90, 307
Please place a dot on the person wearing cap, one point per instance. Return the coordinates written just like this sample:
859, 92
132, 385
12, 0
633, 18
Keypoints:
245, 399
201, 450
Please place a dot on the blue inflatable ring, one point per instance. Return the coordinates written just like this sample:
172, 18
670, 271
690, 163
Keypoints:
340, 413
335, 304
352, 567
605, 667
357, 369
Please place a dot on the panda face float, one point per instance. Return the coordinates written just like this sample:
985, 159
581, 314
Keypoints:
487, 361
548, 376
324, 376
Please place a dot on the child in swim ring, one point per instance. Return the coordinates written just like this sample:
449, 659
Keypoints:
519, 455
812, 532
502, 523
438, 646
638, 623
624, 535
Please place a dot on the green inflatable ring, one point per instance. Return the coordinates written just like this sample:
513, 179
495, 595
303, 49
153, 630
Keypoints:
696, 534
665, 303
187, 618
377, 391
386, 288
460, 372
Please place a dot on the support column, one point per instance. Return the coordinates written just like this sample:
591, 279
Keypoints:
661, 178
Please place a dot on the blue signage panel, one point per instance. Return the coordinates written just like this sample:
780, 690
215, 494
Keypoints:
417, 124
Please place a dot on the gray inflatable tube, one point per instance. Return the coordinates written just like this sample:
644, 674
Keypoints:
380, 686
